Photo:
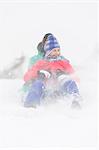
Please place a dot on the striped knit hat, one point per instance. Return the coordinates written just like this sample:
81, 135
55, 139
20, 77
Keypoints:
50, 44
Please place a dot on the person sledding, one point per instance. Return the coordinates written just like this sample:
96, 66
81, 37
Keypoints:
53, 71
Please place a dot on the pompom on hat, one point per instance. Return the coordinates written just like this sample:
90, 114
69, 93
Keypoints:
50, 44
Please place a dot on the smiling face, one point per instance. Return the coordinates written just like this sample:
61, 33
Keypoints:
55, 52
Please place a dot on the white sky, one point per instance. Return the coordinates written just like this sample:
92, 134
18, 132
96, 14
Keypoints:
23, 25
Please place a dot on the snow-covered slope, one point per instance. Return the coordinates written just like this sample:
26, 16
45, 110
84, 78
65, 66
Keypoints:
55, 125
22, 26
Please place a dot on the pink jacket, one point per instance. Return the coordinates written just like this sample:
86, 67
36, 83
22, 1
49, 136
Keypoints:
52, 66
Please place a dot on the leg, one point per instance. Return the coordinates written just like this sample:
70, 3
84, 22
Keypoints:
69, 87
35, 94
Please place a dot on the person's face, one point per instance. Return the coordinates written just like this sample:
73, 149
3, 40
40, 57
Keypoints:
55, 52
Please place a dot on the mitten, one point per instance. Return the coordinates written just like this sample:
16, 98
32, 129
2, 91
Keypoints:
42, 74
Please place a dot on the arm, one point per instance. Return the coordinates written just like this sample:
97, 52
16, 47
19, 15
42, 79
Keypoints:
33, 60
66, 67
32, 73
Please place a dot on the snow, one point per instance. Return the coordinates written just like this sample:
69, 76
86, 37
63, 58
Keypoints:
48, 126
53, 126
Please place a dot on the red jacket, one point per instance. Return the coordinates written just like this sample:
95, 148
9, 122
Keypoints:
51, 66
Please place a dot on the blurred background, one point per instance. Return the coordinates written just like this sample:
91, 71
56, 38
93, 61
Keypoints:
23, 25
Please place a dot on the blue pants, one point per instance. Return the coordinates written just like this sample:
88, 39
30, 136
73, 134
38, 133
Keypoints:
35, 94
69, 87
37, 90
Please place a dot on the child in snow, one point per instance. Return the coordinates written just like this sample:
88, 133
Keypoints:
53, 70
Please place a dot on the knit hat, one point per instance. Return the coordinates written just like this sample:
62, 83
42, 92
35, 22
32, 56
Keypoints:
50, 44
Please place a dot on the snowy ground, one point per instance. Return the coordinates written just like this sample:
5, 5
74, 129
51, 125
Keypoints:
49, 126
22, 26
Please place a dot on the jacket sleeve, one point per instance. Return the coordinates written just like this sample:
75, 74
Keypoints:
66, 67
32, 73
33, 60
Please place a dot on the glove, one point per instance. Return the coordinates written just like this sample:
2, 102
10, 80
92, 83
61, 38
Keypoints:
42, 74
61, 76
59, 73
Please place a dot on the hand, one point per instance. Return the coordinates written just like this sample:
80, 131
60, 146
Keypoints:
44, 74
59, 73
63, 77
